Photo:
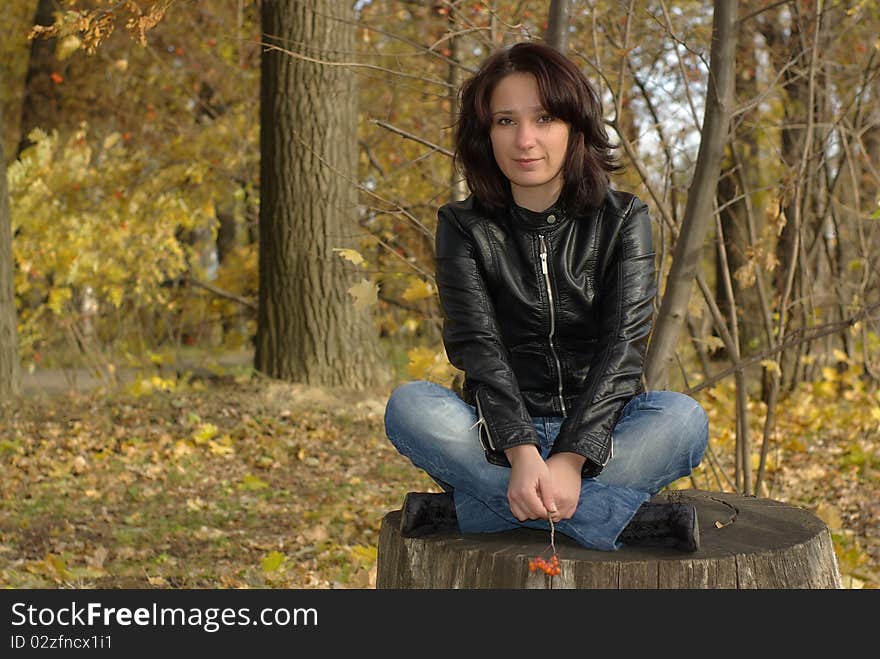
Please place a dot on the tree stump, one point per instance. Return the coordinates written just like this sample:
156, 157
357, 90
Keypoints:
746, 542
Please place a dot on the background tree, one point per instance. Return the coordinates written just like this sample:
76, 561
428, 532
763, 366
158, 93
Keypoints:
10, 383
40, 106
558, 21
698, 214
308, 329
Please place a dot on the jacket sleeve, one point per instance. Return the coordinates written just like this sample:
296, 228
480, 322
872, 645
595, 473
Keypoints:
473, 341
626, 313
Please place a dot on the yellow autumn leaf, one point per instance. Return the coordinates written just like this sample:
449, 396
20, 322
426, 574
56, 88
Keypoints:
116, 292
251, 482
366, 555
771, 366
365, 293
111, 140
420, 362
429, 364
418, 289
205, 433
181, 448
222, 446
57, 298
272, 561
69, 45
350, 255
57, 566
712, 342
840, 355
746, 274
163, 384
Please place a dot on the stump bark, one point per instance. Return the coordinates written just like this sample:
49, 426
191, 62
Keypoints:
746, 542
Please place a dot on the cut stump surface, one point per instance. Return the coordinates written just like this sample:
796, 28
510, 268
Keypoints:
746, 542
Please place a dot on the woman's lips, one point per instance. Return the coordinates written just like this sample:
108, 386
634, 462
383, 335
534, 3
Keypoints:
526, 163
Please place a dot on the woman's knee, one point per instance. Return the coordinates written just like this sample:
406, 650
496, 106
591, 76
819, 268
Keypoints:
694, 422
421, 405
434, 428
403, 403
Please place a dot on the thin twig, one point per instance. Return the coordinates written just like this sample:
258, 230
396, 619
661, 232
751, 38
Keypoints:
218, 291
353, 65
410, 136
793, 337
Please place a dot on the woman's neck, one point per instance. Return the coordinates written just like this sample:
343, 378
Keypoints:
535, 199
536, 203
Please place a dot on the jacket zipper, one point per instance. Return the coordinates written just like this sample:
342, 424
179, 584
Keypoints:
546, 272
481, 421
610, 451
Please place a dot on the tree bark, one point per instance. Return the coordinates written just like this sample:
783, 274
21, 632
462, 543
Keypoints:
698, 212
308, 328
10, 382
40, 107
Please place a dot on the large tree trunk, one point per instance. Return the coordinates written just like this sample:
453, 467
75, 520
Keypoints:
308, 328
698, 212
10, 383
39, 108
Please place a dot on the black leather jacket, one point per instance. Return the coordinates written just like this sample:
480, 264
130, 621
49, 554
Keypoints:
547, 315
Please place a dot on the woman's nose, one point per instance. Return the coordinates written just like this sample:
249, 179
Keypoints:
525, 135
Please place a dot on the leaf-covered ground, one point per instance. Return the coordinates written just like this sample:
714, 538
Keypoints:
254, 483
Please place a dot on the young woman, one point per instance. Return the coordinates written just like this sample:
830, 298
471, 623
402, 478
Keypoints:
546, 280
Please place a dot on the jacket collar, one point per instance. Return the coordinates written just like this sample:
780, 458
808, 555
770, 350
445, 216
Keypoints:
549, 218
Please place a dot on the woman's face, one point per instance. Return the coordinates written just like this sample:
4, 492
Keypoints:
528, 143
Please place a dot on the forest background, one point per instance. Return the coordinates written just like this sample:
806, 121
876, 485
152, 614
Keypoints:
219, 216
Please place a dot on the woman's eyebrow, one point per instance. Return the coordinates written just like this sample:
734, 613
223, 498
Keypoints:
534, 108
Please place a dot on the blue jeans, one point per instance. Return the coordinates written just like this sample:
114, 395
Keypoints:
660, 437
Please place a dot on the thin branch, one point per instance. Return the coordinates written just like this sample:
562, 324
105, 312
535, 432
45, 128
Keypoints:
410, 136
220, 292
795, 337
354, 65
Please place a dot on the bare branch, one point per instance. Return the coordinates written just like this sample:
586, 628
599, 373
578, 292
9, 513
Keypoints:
220, 292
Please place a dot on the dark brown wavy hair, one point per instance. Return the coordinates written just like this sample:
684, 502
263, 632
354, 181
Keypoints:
567, 95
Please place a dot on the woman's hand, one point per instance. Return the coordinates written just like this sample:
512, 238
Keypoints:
565, 475
530, 490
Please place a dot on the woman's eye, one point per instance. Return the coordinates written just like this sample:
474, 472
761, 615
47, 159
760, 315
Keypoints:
502, 121
546, 118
